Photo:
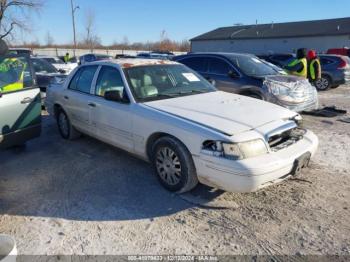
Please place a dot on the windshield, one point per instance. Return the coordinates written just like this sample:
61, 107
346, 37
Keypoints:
252, 66
42, 66
158, 82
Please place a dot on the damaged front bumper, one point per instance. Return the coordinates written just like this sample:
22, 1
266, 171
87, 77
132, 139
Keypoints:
252, 174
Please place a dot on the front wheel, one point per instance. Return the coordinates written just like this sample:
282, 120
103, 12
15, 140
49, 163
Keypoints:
174, 165
65, 127
323, 83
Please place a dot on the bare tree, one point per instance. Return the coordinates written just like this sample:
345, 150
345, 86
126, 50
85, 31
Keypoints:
91, 39
14, 14
49, 39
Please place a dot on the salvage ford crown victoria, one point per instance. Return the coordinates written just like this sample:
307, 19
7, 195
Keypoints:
169, 115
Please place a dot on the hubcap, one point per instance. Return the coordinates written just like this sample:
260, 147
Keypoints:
322, 83
63, 123
168, 166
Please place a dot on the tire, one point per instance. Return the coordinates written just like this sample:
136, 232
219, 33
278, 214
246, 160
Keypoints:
65, 128
324, 83
174, 165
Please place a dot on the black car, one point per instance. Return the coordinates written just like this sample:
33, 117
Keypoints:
278, 59
247, 75
335, 68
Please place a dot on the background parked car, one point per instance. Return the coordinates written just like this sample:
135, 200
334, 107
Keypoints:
247, 75
20, 51
156, 55
61, 66
339, 51
335, 68
88, 58
335, 71
280, 60
45, 74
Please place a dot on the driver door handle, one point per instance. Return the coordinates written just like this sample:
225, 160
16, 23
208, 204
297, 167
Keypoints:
92, 104
27, 100
66, 97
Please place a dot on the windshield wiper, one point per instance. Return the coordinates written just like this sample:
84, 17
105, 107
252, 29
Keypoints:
190, 92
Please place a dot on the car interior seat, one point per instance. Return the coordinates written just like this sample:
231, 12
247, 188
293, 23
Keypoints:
110, 83
148, 89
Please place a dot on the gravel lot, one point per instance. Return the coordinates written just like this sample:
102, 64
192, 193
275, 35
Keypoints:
85, 197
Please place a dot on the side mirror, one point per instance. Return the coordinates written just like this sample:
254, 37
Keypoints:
233, 74
115, 95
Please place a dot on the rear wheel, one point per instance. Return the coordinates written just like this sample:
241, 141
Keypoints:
65, 127
174, 165
323, 83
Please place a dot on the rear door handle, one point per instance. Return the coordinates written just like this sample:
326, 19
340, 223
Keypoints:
27, 100
92, 104
66, 97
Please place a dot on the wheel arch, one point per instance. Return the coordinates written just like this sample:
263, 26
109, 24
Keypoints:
327, 75
56, 108
247, 90
154, 137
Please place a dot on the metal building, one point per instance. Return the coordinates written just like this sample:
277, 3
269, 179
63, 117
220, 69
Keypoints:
279, 37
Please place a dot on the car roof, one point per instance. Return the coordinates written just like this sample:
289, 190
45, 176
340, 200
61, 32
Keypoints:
331, 55
217, 54
45, 56
133, 62
220, 54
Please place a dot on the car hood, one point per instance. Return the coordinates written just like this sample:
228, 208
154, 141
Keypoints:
225, 112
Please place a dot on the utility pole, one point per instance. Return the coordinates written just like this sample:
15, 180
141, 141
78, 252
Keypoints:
74, 8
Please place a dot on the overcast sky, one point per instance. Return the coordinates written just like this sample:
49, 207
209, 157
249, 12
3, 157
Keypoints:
143, 20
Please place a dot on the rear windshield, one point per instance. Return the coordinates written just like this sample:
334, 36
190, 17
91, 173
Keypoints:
53, 60
42, 66
252, 66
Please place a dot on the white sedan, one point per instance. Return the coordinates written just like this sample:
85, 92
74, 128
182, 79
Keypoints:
165, 113
65, 68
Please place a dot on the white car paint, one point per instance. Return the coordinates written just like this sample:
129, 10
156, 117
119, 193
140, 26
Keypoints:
194, 119
59, 65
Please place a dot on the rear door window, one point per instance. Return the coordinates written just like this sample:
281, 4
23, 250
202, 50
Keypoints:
82, 80
326, 61
109, 79
199, 64
219, 66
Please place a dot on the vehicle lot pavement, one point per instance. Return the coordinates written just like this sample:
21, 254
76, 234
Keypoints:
85, 197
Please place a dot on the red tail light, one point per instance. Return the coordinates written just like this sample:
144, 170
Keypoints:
342, 64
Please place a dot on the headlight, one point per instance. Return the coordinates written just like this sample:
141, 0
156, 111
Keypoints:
238, 151
232, 151
290, 92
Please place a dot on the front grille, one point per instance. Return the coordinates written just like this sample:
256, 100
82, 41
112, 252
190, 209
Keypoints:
286, 139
